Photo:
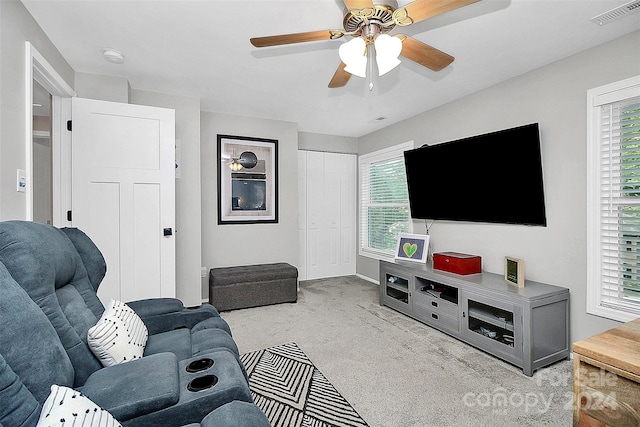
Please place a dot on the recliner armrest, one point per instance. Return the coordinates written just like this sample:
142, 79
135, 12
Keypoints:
136, 388
156, 306
159, 317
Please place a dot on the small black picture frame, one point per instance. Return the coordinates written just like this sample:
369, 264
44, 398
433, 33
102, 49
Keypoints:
247, 180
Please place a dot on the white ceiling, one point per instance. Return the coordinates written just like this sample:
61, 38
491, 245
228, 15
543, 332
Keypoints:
201, 49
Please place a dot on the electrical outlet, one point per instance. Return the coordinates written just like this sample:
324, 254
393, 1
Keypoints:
204, 272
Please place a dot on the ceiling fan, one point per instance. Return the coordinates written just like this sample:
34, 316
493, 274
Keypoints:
369, 23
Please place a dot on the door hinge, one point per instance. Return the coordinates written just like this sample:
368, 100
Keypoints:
69, 216
69, 125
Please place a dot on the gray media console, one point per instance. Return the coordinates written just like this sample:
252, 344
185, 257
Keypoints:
527, 327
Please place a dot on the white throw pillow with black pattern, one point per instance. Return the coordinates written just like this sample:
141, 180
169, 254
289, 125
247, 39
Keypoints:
66, 407
119, 336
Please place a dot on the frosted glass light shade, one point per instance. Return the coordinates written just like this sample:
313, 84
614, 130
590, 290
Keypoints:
353, 55
388, 49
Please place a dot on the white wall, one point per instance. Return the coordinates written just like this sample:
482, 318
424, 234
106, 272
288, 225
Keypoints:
231, 244
16, 27
555, 97
105, 88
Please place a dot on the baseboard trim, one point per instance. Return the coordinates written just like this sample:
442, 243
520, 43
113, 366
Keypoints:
368, 279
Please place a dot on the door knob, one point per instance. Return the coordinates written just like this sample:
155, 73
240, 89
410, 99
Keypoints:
167, 232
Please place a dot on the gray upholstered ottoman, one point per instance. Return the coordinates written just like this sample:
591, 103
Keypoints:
252, 285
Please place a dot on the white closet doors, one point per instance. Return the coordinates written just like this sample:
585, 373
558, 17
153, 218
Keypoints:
327, 214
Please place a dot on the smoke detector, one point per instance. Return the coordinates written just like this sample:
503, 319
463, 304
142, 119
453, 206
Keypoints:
113, 56
617, 12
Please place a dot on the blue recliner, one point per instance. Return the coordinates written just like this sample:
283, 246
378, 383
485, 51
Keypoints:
190, 372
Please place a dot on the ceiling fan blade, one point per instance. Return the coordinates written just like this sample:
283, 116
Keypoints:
358, 4
420, 10
424, 54
309, 36
340, 78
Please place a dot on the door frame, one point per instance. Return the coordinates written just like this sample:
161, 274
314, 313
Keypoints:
39, 69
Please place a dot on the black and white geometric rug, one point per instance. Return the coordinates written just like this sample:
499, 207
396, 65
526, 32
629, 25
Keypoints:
290, 390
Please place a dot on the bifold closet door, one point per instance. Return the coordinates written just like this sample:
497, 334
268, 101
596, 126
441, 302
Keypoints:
329, 234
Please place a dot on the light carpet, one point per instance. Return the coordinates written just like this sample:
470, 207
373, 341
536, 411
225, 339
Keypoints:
292, 392
398, 372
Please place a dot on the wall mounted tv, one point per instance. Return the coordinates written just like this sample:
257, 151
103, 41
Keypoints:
495, 178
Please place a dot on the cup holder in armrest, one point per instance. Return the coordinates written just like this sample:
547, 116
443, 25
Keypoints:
202, 383
200, 365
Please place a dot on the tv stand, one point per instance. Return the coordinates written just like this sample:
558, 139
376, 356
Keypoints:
527, 327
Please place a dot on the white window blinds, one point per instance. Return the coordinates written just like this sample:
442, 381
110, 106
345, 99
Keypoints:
384, 201
614, 192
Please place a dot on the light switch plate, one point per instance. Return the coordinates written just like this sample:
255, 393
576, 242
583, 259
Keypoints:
21, 181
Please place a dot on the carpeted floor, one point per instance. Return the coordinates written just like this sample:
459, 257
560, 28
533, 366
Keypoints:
397, 372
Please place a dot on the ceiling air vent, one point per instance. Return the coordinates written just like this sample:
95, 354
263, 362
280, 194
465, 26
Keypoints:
617, 13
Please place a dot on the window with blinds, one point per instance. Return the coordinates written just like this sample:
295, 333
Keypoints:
384, 201
613, 215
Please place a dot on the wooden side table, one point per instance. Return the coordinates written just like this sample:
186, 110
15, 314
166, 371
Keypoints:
606, 378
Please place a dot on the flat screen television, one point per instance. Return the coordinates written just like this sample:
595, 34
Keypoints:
494, 178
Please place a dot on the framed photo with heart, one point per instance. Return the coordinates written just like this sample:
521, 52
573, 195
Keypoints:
412, 247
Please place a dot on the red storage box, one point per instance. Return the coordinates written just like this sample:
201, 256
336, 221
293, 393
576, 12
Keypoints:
458, 263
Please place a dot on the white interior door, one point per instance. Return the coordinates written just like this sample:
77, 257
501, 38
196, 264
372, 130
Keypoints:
330, 201
123, 194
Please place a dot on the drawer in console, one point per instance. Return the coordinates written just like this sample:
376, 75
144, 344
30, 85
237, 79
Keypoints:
435, 303
436, 319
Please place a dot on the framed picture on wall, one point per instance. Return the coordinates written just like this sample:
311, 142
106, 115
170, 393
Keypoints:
247, 180
412, 247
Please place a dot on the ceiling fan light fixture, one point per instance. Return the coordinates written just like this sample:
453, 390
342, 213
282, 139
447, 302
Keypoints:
353, 54
388, 49
367, 22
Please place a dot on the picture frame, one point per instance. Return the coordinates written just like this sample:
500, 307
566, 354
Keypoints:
412, 247
514, 271
247, 180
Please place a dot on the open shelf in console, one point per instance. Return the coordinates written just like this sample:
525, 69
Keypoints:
491, 322
437, 290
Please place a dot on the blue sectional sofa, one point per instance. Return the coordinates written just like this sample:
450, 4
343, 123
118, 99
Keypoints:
189, 373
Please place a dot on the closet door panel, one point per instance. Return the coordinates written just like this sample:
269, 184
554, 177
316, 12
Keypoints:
302, 215
332, 201
317, 239
328, 225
